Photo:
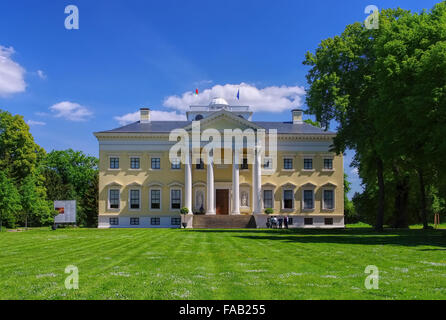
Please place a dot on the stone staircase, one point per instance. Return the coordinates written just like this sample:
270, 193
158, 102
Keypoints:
224, 222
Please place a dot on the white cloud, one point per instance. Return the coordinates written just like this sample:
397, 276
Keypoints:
35, 123
155, 115
41, 74
71, 111
268, 99
11, 73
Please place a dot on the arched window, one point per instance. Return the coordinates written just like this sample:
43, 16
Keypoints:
198, 117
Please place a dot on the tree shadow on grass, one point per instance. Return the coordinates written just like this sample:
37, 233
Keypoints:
360, 236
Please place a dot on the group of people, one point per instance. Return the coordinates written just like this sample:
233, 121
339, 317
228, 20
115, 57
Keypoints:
277, 222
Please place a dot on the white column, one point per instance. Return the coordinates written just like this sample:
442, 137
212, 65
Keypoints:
235, 184
188, 184
257, 183
210, 190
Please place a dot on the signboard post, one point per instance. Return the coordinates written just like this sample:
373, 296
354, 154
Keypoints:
67, 212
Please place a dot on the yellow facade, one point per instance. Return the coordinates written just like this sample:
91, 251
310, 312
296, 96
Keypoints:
127, 179
146, 146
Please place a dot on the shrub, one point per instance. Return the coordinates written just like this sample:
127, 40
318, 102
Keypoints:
269, 211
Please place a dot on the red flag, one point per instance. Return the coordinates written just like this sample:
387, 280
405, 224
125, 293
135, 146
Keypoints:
196, 92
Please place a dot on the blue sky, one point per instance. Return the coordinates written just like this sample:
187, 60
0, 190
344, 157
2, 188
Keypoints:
130, 54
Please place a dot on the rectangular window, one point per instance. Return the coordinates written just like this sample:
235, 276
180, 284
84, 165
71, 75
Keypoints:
268, 163
288, 164
175, 199
290, 221
114, 221
156, 163
244, 165
308, 221
308, 164
134, 199
288, 199
268, 199
175, 164
199, 165
328, 164
328, 221
114, 163
134, 163
328, 199
134, 221
308, 199
114, 199
175, 221
155, 221
155, 199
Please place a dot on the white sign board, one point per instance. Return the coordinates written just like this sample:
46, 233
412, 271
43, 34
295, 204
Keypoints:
67, 211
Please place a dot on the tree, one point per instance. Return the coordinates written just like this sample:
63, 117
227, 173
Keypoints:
411, 51
342, 88
90, 203
349, 208
9, 201
19, 154
386, 89
313, 123
34, 203
72, 175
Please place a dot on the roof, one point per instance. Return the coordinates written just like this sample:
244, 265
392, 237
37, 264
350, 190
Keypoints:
168, 126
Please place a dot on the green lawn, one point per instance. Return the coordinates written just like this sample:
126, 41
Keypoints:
223, 264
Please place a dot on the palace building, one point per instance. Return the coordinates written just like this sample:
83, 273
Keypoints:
140, 187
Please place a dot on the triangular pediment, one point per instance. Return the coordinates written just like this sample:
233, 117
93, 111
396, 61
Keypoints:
223, 119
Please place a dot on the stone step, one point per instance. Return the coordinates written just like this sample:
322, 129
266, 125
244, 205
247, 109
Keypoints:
223, 222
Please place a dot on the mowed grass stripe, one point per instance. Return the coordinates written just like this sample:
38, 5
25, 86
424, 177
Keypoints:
223, 264
55, 264
71, 246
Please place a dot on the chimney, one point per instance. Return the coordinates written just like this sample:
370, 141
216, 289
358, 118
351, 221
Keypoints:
144, 115
297, 116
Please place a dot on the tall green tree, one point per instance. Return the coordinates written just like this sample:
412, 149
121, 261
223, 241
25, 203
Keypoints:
9, 201
70, 175
386, 89
349, 207
35, 206
19, 154
90, 203
342, 88
411, 51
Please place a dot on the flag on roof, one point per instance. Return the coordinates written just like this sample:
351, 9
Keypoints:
238, 94
196, 92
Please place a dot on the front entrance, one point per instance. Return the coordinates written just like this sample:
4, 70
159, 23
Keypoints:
222, 201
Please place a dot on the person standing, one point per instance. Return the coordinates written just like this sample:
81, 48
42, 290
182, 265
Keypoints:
280, 222
273, 222
285, 222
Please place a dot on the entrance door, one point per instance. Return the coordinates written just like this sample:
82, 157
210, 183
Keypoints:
222, 201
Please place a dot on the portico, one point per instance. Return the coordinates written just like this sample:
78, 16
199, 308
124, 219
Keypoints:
214, 189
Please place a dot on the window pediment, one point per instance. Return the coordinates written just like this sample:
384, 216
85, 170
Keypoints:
309, 185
